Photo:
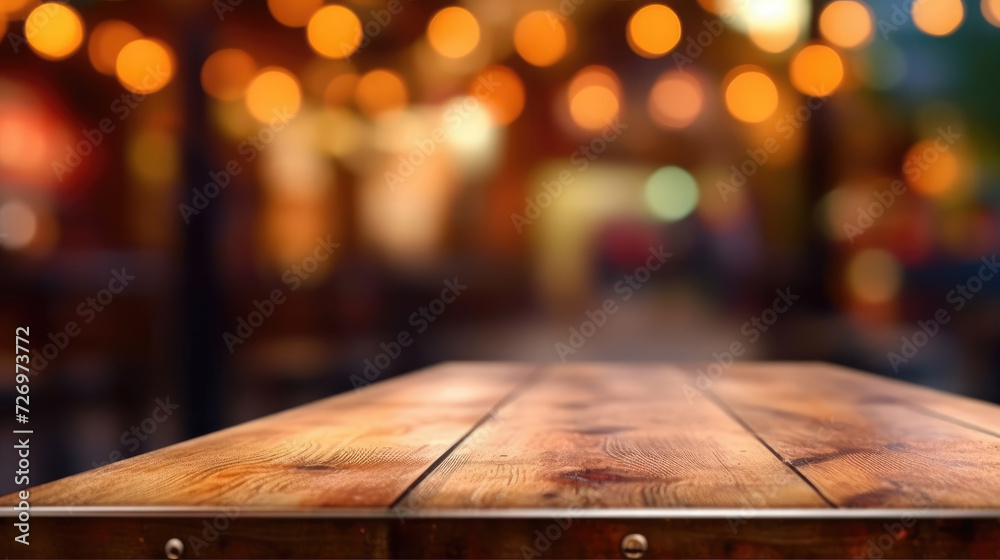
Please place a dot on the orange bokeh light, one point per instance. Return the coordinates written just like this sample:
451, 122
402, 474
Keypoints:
54, 30
381, 91
751, 95
453, 32
931, 170
293, 13
145, 65
334, 32
653, 30
675, 100
816, 70
273, 93
938, 17
106, 41
540, 38
501, 91
594, 96
226, 73
847, 24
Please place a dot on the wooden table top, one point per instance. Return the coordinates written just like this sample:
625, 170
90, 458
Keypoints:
500, 460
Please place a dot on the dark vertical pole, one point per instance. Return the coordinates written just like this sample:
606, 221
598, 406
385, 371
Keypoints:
201, 322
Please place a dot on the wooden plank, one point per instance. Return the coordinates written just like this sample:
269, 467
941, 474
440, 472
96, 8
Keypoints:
861, 441
360, 449
610, 436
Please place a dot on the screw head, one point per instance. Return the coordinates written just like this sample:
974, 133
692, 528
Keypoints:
174, 548
634, 546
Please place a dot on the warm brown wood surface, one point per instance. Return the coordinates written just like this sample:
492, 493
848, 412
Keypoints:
361, 449
612, 436
478, 459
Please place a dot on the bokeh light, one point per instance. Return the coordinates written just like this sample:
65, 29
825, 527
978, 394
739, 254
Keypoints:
675, 100
930, 170
453, 32
501, 91
226, 73
540, 38
991, 11
340, 90
671, 193
751, 95
594, 97
381, 91
293, 13
19, 223
653, 30
106, 41
334, 32
145, 65
816, 70
938, 17
774, 39
54, 30
874, 276
847, 24
273, 93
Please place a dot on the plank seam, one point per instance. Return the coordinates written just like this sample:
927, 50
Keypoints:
736, 418
926, 411
519, 388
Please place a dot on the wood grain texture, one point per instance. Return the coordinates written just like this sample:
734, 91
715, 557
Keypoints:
607, 436
360, 449
865, 442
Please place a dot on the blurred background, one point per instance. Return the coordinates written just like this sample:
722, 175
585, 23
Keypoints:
215, 210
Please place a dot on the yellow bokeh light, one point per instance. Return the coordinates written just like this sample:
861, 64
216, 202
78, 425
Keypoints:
751, 95
540, 38
293, 13
938, 17
334, 32
54, 30
501, 90
931, 170
381, 91
145, 65
653, 30
453, 32
772, 38
991, 11
675, 100
226, 73
874, 276
816, 70
847, 24
274, 93
106, 41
